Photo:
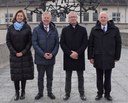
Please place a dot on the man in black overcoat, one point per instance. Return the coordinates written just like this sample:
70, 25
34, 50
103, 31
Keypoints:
73, 43
104, 49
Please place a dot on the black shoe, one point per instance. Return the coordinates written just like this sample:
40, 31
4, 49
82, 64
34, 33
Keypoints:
82, 96
66, 97
22, 95
51, 96
16, 96
98, 97
38, 96
108, 97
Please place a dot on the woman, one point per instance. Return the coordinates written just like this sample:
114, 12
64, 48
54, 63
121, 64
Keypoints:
18, 40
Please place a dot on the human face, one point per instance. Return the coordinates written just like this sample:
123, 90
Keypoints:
103, 18
72, 19
19, 17
46, 19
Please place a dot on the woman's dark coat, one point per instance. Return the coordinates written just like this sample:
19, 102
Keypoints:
20, 41
104, 47
74, 39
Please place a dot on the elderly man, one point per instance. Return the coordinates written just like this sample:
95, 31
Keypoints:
73, 43
45, 41
103, 50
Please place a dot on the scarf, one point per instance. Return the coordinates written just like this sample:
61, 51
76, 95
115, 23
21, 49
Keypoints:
18, 26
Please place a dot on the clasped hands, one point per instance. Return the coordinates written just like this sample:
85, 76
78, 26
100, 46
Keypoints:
48, 56
74, 55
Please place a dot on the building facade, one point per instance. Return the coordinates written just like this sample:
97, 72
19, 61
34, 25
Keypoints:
116, 11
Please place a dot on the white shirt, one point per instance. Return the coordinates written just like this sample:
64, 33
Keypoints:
105, 27
46, 27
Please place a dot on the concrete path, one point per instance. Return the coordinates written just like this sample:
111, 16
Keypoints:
119, 84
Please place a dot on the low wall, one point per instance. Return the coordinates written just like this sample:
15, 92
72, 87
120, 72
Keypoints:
124, 37
4, 55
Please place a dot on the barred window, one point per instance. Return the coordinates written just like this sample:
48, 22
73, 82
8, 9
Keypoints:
38, 17
95, 16
86, 16
29, 17
116, 17
8, 17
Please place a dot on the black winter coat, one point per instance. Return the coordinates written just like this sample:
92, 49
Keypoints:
74, 39
20, 41
104, 47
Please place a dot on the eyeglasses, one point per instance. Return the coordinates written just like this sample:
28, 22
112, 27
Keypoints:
73, 17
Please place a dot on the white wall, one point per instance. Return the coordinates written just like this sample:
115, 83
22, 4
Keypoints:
122, 9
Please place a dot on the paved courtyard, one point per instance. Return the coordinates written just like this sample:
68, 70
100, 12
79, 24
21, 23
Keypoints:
119, 84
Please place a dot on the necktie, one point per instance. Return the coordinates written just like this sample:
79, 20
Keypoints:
46, 28
104, 29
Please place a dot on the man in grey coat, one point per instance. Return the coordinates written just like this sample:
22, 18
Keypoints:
103, 50
45, 42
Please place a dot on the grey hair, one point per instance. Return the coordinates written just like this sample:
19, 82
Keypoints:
46, 13
72, 12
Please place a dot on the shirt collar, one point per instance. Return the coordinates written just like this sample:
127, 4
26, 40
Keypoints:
104, 26
46, 26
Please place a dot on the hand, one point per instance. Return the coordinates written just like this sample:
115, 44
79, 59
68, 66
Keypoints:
92, 61
20, 54
48, 56
74, 55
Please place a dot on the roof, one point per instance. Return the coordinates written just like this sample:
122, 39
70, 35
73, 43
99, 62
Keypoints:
114, 2
38, 2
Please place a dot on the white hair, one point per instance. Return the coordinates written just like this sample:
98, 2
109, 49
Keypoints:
72, 13
103, 12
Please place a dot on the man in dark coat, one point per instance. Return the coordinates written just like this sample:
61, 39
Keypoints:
103, 50
73, 43
45, 41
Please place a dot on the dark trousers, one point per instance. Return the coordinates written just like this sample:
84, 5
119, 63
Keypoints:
17, 85
49, 75
80, 82
103, 84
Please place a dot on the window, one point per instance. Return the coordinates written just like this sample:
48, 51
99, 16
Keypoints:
86, 16
95, 16
54, 18
104, 9
29, 17
63, 18
38, 17
70, 1
8, 17
116, 17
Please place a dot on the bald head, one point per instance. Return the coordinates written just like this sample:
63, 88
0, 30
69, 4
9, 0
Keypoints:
103, 18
